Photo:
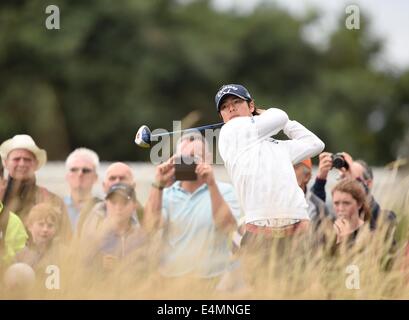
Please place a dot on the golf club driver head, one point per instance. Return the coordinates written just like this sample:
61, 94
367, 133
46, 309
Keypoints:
143, 137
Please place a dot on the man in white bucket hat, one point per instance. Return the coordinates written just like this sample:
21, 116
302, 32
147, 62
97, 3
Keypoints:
24, 143
22, 158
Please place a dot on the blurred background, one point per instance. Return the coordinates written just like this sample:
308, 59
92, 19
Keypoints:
115, 65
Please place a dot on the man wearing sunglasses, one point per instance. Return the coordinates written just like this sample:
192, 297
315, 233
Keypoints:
82, 165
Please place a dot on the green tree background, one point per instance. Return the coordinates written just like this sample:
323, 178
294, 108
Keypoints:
115, 65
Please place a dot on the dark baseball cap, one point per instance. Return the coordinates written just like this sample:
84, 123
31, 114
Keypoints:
231, 89
122, 189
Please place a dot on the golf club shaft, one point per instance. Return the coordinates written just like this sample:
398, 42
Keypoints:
209, 126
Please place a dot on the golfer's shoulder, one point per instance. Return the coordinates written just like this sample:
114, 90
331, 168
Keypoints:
238, 122
236, 127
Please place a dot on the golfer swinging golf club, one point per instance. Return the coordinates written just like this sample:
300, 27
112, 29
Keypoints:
261, 168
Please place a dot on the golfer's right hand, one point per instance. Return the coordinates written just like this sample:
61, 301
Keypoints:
165, 173
324, 165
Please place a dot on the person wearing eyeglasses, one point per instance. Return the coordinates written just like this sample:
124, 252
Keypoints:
22, 158
82, 165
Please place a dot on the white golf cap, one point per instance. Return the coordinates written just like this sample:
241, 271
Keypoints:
23, 141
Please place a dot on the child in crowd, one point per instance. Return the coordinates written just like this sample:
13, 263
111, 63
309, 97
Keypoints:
42, 248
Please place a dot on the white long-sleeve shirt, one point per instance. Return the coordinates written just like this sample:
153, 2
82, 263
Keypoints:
261, 168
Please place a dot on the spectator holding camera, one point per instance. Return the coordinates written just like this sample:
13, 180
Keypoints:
358, 170
316, 206
196, 216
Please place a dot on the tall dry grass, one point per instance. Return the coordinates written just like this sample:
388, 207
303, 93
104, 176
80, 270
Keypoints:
307, 271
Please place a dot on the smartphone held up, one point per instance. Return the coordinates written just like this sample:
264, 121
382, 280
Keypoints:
185, 168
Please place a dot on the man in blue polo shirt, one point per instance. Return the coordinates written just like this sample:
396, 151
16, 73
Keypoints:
197, 216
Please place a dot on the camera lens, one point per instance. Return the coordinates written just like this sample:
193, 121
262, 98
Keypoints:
338, 161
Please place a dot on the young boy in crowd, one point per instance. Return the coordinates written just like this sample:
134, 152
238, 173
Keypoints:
42, 249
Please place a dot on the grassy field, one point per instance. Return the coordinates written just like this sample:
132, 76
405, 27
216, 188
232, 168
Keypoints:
362, 272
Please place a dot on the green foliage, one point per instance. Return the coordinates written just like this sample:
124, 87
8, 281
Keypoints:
115, 65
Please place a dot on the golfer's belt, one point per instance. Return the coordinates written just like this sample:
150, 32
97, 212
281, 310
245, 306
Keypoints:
275, 223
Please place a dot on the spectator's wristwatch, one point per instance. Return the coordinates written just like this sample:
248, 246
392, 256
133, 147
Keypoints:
157, 185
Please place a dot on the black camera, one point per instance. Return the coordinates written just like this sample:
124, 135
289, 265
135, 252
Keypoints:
338, 161
185, 168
